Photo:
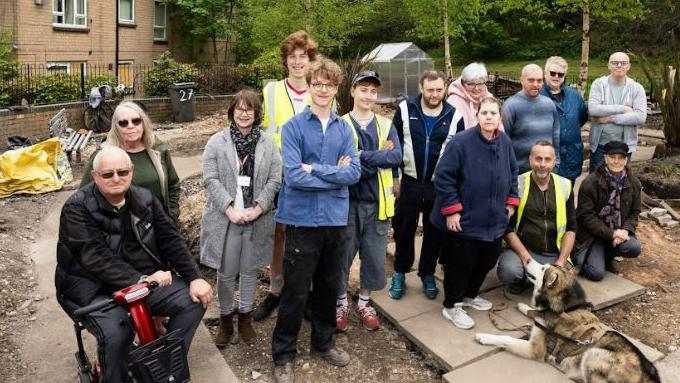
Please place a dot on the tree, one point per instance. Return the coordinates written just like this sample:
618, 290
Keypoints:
442, 20
548, 12
200, 21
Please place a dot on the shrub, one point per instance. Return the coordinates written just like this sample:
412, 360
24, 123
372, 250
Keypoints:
57, 87
167, 72
266, 66
99, 80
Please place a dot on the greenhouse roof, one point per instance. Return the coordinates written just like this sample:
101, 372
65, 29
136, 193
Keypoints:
396, 51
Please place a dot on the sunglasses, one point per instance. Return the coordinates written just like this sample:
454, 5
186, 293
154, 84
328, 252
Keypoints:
108, 174
134, 121
556, 74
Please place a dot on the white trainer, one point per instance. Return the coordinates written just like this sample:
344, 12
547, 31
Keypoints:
478, 303
458, 317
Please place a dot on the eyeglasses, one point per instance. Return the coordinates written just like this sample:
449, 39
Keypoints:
247, 112
556, 74
108, 174
134, 121
619, 63
475, 84
319, 86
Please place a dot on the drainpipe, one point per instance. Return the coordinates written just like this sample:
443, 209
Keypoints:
117, 40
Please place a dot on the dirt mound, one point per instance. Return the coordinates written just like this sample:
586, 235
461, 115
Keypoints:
660, 176
192, 200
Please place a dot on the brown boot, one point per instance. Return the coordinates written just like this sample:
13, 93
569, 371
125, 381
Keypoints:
225, 331
245, 327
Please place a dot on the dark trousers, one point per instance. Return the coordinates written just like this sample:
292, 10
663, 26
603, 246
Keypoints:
415, 197
594, 258
466, 264
313, 255
114, 332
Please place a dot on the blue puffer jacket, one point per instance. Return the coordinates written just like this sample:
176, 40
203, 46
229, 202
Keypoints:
477, 178
573, 114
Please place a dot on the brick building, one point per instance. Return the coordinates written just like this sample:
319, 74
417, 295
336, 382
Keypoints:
62, 34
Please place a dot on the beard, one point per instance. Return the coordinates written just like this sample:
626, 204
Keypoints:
428, 102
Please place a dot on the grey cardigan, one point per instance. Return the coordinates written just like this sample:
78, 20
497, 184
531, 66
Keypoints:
220, 172
601, 105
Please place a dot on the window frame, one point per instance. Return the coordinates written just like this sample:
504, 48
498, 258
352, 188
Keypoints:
76, 15
132, 12
165, 21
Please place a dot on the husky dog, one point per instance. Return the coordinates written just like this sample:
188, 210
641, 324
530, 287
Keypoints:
566, 334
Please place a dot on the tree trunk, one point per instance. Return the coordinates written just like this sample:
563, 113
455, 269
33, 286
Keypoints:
585, 48
308, 16
214, 43
447, 48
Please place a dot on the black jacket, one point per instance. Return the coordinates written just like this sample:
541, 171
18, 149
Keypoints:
89, 259
592, 197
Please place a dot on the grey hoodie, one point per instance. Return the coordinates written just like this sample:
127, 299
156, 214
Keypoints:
600, 104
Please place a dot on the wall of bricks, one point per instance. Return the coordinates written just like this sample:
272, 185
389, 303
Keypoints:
32, 122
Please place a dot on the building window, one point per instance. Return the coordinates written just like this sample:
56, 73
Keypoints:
126, 11
69, 13
159, 21
66, 67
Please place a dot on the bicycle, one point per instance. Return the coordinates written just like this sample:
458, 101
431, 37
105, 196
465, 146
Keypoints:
97, 115
154, 359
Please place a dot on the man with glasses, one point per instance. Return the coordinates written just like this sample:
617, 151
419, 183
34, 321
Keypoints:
424, 124
572, 113
113, 235
528, 116
320, 162
617, 106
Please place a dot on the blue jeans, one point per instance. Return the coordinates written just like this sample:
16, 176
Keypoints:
594, 258
511, 270
597, 157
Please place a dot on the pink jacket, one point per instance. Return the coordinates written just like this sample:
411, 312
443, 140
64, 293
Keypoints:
465, 104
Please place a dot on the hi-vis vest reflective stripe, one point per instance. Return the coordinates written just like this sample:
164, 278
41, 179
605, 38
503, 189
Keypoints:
562, 191
278, 108
385, 182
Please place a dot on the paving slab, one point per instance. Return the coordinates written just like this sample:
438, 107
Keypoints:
206, 362
612, 289
413, 303
669, 368
505, 367
450, 346
187, 166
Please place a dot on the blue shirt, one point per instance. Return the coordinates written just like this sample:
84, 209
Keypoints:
319, 198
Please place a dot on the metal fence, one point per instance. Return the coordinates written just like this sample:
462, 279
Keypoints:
52, 83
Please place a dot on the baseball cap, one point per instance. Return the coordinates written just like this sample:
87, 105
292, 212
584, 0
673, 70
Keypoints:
616, 147
367, 75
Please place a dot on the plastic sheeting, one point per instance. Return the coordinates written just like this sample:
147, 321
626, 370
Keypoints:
39, 168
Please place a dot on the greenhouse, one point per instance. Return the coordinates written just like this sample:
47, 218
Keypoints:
399, 66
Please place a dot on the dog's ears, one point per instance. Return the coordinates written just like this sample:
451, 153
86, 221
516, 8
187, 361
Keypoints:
553, 277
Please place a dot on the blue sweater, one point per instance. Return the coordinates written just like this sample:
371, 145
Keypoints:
372, 160
572, 114
527, 120
319, 198
477, 178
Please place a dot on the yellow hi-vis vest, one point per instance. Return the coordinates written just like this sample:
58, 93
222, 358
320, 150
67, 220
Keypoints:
385, 181
562, 191
278, 108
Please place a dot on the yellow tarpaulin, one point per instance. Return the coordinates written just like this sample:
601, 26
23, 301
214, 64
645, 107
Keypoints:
40, 168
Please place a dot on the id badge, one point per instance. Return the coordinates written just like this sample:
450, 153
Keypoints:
243, 181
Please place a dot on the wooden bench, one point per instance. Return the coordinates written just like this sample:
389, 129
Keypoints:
70, 139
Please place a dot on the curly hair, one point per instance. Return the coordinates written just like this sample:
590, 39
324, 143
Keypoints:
298, 40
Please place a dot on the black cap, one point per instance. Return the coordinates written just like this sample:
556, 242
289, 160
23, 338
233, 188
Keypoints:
367, 75
616, 147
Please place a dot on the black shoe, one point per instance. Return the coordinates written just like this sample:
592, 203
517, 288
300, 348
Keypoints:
609, 266
267, 307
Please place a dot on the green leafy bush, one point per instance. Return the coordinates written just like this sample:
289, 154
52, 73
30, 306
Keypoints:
266, 66
166, 72
57, 87
99, 80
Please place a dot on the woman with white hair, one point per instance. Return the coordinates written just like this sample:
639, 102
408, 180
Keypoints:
132, 131
467, 91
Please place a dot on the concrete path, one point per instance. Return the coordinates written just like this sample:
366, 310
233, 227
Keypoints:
49, 343
421, 321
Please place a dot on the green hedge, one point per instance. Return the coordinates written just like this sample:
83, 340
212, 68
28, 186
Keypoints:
166, 72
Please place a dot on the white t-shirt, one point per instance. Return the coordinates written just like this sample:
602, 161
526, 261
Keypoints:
324, 124
299, 99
